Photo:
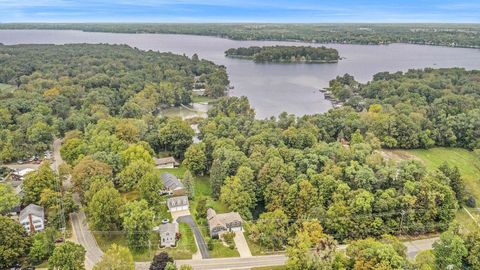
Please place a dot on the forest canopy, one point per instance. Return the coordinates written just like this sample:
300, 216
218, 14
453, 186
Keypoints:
57, 88
285, 54
454, 35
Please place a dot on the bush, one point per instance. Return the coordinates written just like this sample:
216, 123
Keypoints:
471, 202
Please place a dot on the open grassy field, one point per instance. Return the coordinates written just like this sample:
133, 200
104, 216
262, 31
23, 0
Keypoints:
105, 240
467, 162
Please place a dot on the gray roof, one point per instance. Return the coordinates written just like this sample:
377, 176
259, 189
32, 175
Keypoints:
33, 209
168, 227
171, 182
222, 220
165, 160
177, 201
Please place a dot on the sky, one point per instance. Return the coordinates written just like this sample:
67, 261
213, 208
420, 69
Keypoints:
300, 11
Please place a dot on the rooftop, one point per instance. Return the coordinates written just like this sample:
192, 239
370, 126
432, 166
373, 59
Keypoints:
170, 181
32, 209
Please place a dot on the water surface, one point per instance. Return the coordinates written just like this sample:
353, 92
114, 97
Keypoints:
272, 88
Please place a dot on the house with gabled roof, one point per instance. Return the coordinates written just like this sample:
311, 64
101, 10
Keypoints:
176, 204
221, 223
32, 218
172, 185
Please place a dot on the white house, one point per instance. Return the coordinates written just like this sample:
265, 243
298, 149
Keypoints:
168, 234
176, 204
32, 218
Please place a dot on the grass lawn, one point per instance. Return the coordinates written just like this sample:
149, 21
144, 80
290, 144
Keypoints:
185, 246
466, 161
222, 251
178, 172
198, 99
104, 241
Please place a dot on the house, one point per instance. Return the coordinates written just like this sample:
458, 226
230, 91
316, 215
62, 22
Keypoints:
32, 218
168, 234
176, 204
221, 223
166, 163
172, 185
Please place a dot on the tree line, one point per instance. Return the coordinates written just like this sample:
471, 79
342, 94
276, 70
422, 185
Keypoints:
285, 54
454, 35
415, 109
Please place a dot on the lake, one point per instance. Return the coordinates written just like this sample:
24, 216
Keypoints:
272, 88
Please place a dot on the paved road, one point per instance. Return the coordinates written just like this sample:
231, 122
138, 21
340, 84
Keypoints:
413, 247
227, 263
79, 221
202, 246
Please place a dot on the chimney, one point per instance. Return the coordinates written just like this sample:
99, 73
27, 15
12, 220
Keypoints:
32, 229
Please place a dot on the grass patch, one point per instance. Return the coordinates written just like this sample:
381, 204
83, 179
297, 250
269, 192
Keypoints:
105, 240
221, 251
131, 196
185, 246
198, 99
178, 172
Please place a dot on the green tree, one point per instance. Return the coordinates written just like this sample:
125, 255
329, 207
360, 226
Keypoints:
104, 210
371, 254
136, 152
201, 210
160, 261
116, 258
271, 230
14, 242
132, 173
170, 266
472, 243
8, 198
67, 256
37, 181
72, 150
85, 170
176, 136
137, 223
150, 186
43, 244
237, 197
449, 251
196, 159
425, 260
189, 184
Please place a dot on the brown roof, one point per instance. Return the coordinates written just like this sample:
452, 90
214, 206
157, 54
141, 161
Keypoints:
166, 160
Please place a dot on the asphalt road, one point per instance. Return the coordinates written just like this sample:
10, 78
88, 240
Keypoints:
202, 246
79, 221
413, 247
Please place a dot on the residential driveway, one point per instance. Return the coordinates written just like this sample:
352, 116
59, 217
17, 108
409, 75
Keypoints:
202, 246
177, 214
242, 246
